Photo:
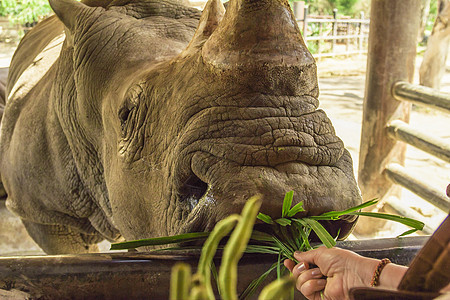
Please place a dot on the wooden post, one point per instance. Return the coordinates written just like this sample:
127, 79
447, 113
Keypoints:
299, 7
333, 45
347, 45
319, 48
393, 34
361, 33
305, 24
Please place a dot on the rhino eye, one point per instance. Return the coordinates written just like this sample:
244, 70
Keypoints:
124, 113
126, 117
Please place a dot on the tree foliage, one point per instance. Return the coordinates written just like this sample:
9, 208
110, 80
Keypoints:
344, 7
25, 11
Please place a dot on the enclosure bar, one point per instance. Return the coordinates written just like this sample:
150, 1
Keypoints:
421, 95
401, 209
305, 22
360, 31
391, 57
333, 42
397, 174
339, 53
435, 146
336, 37
313, 20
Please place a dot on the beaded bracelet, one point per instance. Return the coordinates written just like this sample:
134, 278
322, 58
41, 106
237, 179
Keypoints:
376, 275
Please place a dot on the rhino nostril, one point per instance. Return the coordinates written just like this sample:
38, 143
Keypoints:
193, 190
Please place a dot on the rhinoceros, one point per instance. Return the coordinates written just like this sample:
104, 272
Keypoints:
143, 118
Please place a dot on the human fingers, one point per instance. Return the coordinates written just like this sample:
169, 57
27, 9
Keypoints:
311, 289
289, 264
310, 256
307, 275
299, 269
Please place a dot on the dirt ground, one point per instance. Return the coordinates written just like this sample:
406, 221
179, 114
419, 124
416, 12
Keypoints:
341, 83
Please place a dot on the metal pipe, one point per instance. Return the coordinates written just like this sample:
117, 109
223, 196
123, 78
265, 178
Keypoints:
397, 174
421, 95
435, 146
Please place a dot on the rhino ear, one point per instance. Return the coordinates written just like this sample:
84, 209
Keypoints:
68, 10
210, 19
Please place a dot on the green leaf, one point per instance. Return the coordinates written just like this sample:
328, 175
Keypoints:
251, 288
283, 221
407, 232
261, 236
304, 237
279, 265
287, 202
287, 237
215, 275
403, 220
265, 218
321, 232
333, 215
262, 249
287, 251
296, 209
186, 237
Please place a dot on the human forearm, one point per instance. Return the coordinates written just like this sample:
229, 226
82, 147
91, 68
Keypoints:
390, 275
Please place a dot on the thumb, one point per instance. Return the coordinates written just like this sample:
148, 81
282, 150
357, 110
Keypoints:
311, 256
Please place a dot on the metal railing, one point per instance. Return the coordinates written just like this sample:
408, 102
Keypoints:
351, 32
399, 130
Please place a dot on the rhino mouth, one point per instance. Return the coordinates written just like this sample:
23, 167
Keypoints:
258, 144
216, 188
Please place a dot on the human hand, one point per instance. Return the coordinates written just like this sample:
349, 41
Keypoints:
337, 271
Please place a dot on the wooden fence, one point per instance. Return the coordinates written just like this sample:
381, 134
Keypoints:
388, 98
401, 131
328, 33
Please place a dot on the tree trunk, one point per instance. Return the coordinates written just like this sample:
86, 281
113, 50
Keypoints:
433, 65
424, 13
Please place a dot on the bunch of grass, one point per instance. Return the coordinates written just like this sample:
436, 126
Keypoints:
287, 235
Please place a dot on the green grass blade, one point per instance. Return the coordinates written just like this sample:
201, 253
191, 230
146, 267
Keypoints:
296, 209
407, 232
261, 236
287, 202
287, 251
265, 218
262, 249
215, 275
177, 248
283, 221
287, 237
321, 232
337, 214
403, 220
186, 237
279, 265
305, 244
251, 288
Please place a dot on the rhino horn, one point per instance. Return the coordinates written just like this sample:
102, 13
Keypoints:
255, 32
210, 19
68, 11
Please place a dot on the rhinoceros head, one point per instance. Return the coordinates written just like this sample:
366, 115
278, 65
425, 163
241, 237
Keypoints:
188, 124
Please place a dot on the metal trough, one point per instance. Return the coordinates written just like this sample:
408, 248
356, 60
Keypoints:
136, 275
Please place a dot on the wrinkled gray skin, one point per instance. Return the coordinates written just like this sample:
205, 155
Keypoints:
3, 76
129, 132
